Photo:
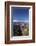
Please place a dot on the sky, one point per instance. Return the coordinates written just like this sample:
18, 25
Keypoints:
20, 14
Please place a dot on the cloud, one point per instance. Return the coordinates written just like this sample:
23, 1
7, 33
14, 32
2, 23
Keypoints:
20, 21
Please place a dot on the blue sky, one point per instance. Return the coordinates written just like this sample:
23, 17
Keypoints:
20, 14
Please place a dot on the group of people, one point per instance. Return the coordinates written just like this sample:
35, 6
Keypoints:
20, 30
